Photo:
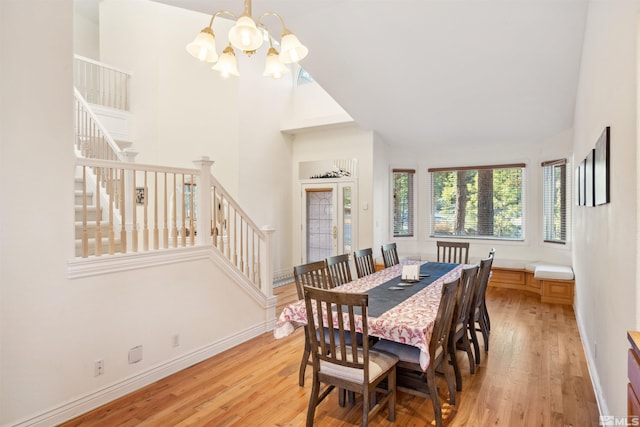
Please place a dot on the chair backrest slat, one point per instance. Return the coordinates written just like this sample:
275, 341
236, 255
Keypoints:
480, 290
363, 259
390, 255
313, 274
442, 324
453, 252
339, 270
464, 297
337, 312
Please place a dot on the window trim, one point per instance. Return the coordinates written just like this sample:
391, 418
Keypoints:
524, 190
566, 196
414, 204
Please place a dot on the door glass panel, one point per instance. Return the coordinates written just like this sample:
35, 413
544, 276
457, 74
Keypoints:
319, 225
346, 220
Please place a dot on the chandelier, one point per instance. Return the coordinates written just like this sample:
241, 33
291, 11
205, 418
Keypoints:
247, 35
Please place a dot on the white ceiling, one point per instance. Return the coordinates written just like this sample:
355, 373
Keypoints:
432, 72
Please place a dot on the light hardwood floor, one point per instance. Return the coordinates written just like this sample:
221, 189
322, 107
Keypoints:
535, 374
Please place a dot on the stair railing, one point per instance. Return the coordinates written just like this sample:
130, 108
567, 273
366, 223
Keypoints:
143, 208
164, 208
101, 84
92, 139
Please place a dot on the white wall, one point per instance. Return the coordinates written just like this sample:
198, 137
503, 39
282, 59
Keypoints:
477, 153
264, 179
605, 254
86, 37
52, 329
381, 194
35, 296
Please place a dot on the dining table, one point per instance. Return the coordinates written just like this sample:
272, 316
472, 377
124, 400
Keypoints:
399, 310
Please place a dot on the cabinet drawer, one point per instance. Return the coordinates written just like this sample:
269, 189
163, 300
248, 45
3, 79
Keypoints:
513, 277
633, 365
557, 291
633, 405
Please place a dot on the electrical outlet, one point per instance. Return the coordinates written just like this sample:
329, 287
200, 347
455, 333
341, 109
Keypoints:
98, 368
176, 340
135, 354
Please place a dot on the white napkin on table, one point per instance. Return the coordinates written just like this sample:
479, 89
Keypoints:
411, 272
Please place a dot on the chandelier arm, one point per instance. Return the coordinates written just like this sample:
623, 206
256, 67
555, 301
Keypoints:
259, 21
221, 12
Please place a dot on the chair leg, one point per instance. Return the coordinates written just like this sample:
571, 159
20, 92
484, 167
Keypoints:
485, 332
391, 389
450, 383
313, 401
303, 363
487, 319
474, 339
435, 400
467, 348
454, 363
365, 408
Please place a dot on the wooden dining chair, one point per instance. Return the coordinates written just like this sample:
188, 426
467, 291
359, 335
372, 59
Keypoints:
458, 336
453, 252
410, 377
339, 270
346, 366
390, 255
477, 320
363, 259
492, 254
315, 275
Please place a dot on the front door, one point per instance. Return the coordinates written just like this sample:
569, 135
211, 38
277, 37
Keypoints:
328, 214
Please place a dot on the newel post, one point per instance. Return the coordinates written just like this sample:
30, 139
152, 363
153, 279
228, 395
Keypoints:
129, 205
203, 196
266, 255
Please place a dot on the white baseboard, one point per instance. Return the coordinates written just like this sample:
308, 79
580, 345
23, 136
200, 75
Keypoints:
282, 277
603, 408
121, 388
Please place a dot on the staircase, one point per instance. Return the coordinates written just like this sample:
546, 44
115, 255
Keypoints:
92, 216
122, 207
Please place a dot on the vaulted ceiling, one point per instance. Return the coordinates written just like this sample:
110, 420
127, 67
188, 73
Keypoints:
431, 72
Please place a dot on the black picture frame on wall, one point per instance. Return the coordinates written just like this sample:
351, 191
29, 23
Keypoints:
601, 173
589, 187
580, 184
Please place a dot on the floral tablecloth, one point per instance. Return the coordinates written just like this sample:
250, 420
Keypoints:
410, 322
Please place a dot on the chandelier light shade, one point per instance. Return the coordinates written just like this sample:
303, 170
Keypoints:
245, 35
248, 36
274, 68
227, 64
291, 50
203, 47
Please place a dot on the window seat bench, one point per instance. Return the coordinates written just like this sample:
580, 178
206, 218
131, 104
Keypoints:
554, 283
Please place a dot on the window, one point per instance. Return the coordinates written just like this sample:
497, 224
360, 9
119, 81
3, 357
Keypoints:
303, 77
478, 201
554, 201
403, 207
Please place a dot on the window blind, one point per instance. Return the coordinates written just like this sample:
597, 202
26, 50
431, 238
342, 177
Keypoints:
480, 201
554, 201
403, 203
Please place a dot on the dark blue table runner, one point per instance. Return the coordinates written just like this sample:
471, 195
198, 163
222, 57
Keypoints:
382, 299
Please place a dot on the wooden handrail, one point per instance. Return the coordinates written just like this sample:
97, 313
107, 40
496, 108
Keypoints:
101, 84
89, 131
173, 194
